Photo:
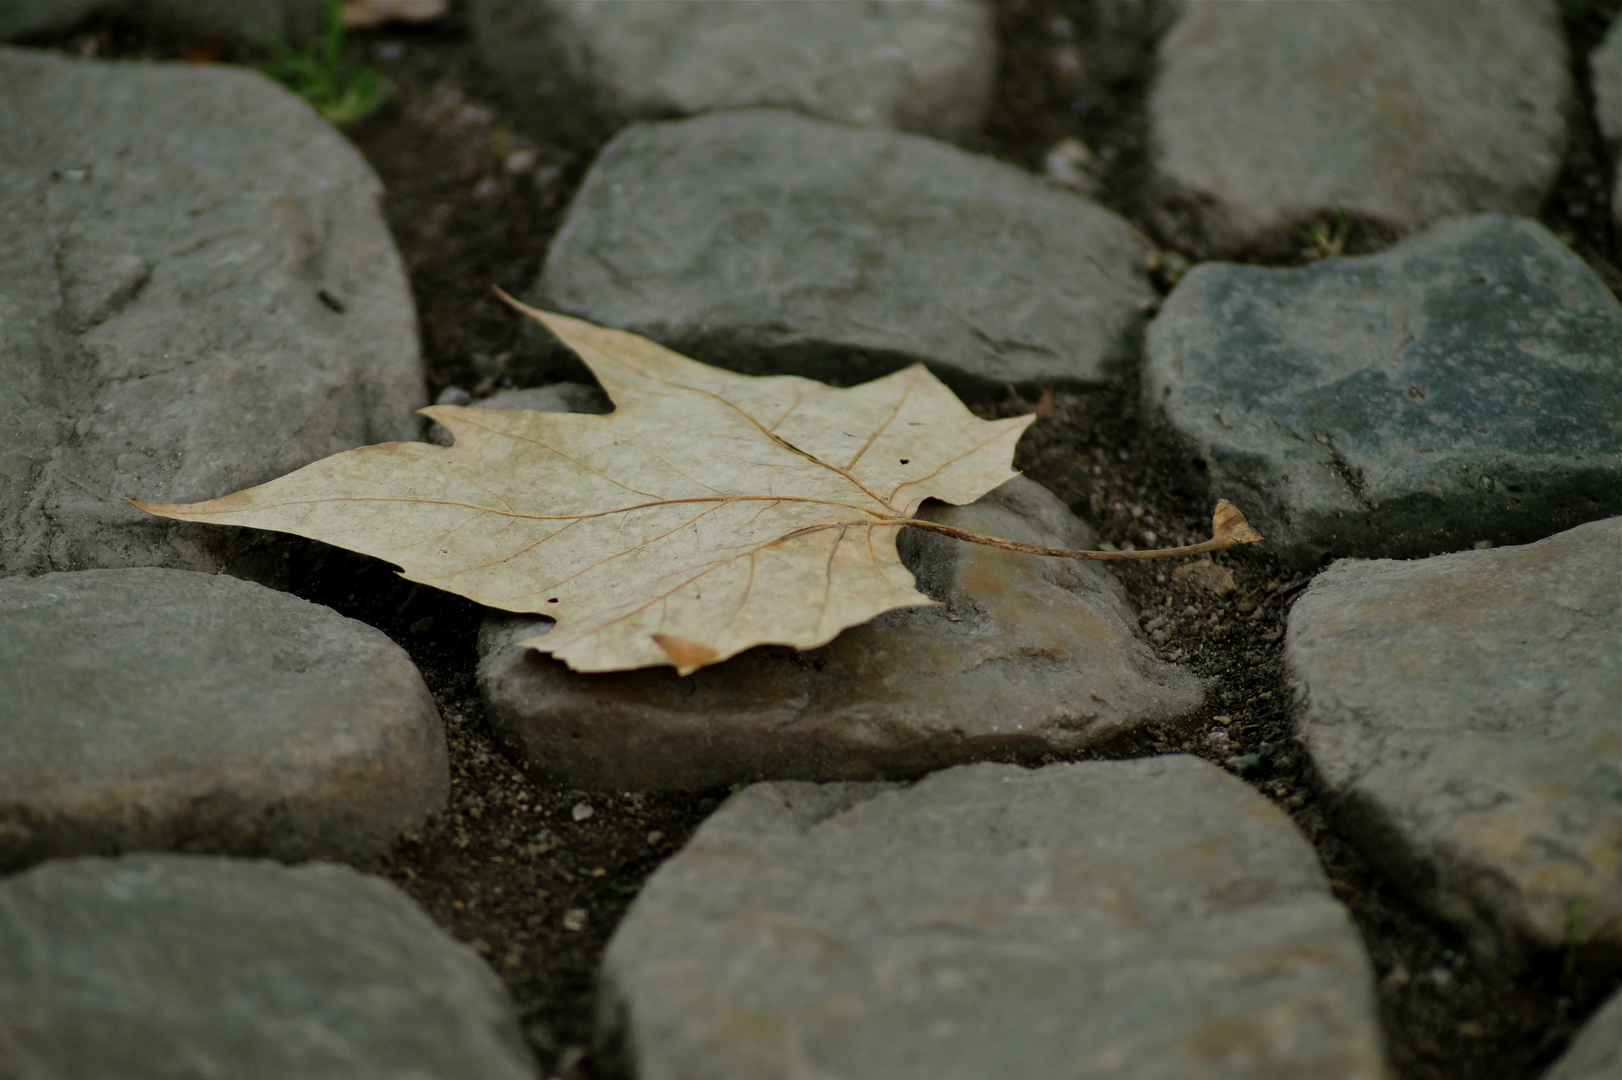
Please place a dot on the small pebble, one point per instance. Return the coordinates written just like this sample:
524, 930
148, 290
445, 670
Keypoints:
582, 811
574, 919
655, 838
1244, 764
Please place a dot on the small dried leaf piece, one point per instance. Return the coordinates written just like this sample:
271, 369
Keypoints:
1207, 575
708, 513
1229, 525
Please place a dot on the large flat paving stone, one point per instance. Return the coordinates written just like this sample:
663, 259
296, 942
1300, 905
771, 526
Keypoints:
1029, 656
925, 67
175, 245
1465, 710
166, 709
1152, 918
1460, 387
1596, 1052
1265, 116
765, 242
150, 967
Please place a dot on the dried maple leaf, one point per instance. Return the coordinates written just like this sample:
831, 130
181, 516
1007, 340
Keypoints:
710, 512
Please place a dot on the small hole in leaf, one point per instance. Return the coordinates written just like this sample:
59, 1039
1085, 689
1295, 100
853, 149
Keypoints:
906, 461
552, 600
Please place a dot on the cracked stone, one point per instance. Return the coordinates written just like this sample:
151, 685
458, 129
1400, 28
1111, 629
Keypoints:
165, 709
1148, 918
166, 965
925, 67
1266, 117
1462, 711
768, 243
170, 231
1457, 388
1029, 656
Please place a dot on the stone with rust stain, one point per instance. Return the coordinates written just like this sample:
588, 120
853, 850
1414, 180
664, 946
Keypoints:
164, 709
1464, 711
1028, 656
1149, 918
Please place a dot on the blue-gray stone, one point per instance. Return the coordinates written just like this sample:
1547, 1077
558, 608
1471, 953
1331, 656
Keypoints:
1465, 385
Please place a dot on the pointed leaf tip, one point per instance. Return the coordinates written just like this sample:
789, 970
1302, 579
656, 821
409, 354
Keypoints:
685, 653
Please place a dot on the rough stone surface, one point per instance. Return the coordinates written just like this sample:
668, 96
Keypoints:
167, 709
1151, 918
1264, 116
1028, 656
768, 243
168, 966
1605, 66
1464, 710
293, 20
918, 66
1596, 1052
557, 397
166, 239
1460, 387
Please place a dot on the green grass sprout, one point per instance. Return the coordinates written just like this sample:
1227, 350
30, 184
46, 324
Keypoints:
342, 94
1327, 235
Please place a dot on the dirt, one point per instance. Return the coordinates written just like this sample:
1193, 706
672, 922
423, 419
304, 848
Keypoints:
536, 877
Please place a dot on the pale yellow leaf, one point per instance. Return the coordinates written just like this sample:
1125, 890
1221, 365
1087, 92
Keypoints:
709, 512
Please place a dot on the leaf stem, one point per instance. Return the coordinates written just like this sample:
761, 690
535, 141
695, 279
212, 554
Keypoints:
1228, 527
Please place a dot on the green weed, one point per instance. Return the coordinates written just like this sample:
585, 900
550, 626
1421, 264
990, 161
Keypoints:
342, 94
1326, 237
